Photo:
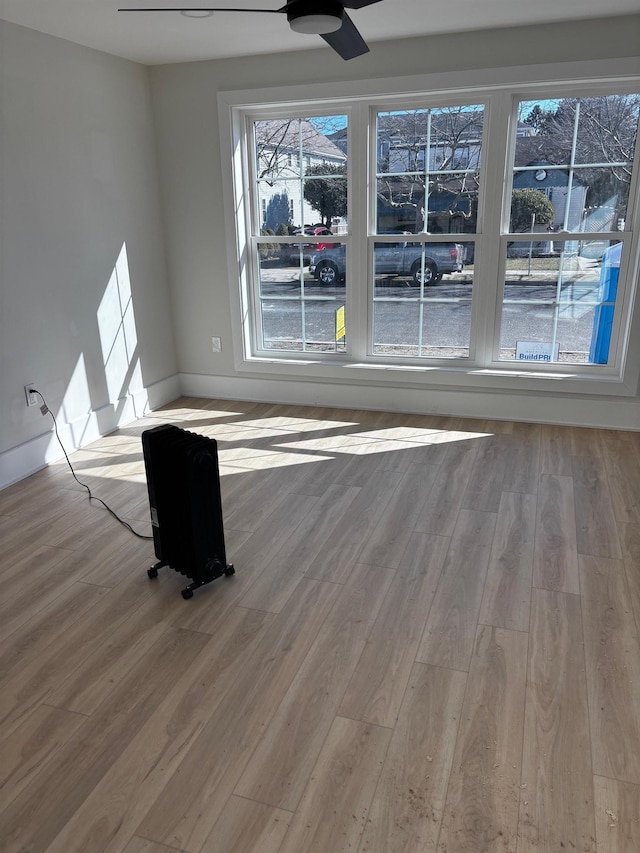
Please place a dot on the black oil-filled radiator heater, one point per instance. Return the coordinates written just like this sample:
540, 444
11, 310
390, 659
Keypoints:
186, 509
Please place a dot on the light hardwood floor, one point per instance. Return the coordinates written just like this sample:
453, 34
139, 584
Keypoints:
430, 644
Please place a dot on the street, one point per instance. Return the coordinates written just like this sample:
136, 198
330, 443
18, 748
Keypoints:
529, 312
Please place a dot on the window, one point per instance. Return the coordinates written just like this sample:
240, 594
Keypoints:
494, 235
294, 312
571, 174
422, 296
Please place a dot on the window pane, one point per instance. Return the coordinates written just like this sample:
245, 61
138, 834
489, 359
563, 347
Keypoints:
287, 150
277, 148
400, 205
328, 265
536, 139
539, 201
422, 299
281, 325
414, 262
559, 306
428, 162
605, 199
445, 328
396, 328
326, 194
607, 127
279, 277
302, 326
546, 200
323, 140
452, 203
402, 141
301, 167
430, 329
299, 312
573, 162
450, 207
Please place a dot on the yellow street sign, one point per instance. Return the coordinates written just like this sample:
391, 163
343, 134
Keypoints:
340, 327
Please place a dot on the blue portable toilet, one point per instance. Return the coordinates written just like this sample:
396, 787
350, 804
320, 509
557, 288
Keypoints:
603, 315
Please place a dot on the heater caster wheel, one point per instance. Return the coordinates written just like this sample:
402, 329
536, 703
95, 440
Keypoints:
230, 570
152, 572
187, 593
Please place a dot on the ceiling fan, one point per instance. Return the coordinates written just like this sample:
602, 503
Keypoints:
326, 18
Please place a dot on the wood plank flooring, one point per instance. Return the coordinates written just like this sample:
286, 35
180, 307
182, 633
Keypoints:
430, 644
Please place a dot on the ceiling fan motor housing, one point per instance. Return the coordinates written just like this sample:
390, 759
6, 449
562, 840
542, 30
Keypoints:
315, 16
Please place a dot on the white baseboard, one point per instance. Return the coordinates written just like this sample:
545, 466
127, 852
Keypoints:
20, 461
36, 453
560, 409
163, 392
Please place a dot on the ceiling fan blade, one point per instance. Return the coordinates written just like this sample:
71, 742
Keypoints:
358, 4
201, 9
347, 41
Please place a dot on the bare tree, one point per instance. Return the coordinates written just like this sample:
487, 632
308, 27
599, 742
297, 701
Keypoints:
281, 144
603, 130
274, 140
428, 164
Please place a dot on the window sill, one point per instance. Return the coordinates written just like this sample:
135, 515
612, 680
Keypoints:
421, 376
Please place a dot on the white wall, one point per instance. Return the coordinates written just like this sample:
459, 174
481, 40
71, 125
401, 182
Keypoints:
79, 181
191, 170
84, 301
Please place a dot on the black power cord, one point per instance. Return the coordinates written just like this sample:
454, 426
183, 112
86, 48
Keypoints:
44, 408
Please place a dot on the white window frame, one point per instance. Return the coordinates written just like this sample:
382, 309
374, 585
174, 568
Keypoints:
253, 299
500, 90
422, 102
626, 287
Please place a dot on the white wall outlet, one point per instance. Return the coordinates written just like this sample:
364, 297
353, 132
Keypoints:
29, 393
216, 344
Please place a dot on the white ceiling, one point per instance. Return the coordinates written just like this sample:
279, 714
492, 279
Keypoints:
162, 37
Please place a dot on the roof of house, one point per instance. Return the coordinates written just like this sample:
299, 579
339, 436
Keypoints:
554, 177
289, 134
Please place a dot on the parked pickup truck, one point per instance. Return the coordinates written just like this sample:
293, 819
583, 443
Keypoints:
394, 259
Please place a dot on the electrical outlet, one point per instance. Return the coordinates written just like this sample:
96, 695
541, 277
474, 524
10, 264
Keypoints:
29, 393
216, 344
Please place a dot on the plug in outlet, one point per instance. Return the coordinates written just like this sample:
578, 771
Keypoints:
216, 344
29, 393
